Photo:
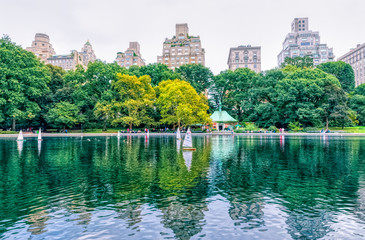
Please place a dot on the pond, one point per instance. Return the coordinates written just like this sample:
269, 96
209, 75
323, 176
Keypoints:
231, 187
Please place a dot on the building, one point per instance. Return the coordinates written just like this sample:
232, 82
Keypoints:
222, 120
245, 57
302, 42
356, 58
67, 62
87, 54
70, 61
132, 56
182, 49
41, 47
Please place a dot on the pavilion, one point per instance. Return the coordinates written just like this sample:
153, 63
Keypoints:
222, 120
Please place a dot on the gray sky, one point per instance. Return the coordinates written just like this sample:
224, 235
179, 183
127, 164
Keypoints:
110, 24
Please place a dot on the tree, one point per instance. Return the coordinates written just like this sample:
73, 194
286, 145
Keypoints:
64, 114
222, 84
342, 71
23, 83
136, 97
158, 72
197, 75
180, 104
310, 97
104, 111
300, 62
357, 104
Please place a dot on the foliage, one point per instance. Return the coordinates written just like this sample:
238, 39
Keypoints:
64, 114
295, 126
342, 71
136, 96
180, 104
300, 62
197, 75
273, 128
24, 82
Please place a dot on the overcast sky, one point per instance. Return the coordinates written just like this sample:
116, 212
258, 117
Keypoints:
111, 24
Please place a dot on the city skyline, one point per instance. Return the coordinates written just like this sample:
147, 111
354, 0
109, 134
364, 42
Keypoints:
219, 25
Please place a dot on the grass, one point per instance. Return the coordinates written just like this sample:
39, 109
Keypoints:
358, 129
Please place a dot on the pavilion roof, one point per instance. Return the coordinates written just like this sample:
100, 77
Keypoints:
222, 117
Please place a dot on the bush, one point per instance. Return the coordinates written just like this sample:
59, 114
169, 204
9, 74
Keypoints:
272, 129
295, 126
251, 127
311, 130
239, 130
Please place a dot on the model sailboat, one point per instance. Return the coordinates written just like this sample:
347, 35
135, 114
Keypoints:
178, 134
40, 135
188, 142
20, 136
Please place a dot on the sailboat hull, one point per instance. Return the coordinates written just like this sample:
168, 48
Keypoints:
189, 149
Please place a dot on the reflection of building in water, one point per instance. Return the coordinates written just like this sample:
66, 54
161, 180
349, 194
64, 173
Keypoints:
249, 211
130, 212
301, 226
184, 219
37, 222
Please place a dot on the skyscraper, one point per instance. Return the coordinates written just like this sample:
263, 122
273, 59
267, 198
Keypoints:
302, 42
356, 58
182, 49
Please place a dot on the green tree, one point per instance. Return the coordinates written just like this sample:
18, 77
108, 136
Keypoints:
221, 86
197, 75
342, 71
300, 62
23, 81
136, 97
63, 115
104, 111
158, 72
180, 104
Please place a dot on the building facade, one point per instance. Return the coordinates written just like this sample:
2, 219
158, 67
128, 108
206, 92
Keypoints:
131, 57
67, 62
70, 61
302, 42
245, 57
41, 47
356, 58
182, 49
87, 54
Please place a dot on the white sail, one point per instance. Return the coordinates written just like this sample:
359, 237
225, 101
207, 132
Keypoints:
178, 145
39, 135
188, 143
188, 157
118, 135
39, 147
20, 136
178, 135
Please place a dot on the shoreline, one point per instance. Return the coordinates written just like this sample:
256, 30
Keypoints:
47, 135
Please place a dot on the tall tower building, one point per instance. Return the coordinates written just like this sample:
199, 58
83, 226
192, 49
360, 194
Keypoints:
131, 56
41, 47
245, 57
87, 53
182, 49
302, 42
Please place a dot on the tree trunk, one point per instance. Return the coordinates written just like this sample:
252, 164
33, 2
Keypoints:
13, 127
326, 122
130, 127
104, 126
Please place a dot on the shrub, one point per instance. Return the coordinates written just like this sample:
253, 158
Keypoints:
273, 128
311, 130
295, 126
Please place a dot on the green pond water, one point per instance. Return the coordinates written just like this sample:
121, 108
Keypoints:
245, 187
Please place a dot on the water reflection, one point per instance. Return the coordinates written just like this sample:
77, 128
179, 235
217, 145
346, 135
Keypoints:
231, 187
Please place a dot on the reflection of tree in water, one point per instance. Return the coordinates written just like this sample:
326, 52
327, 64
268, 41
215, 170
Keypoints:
183, 210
